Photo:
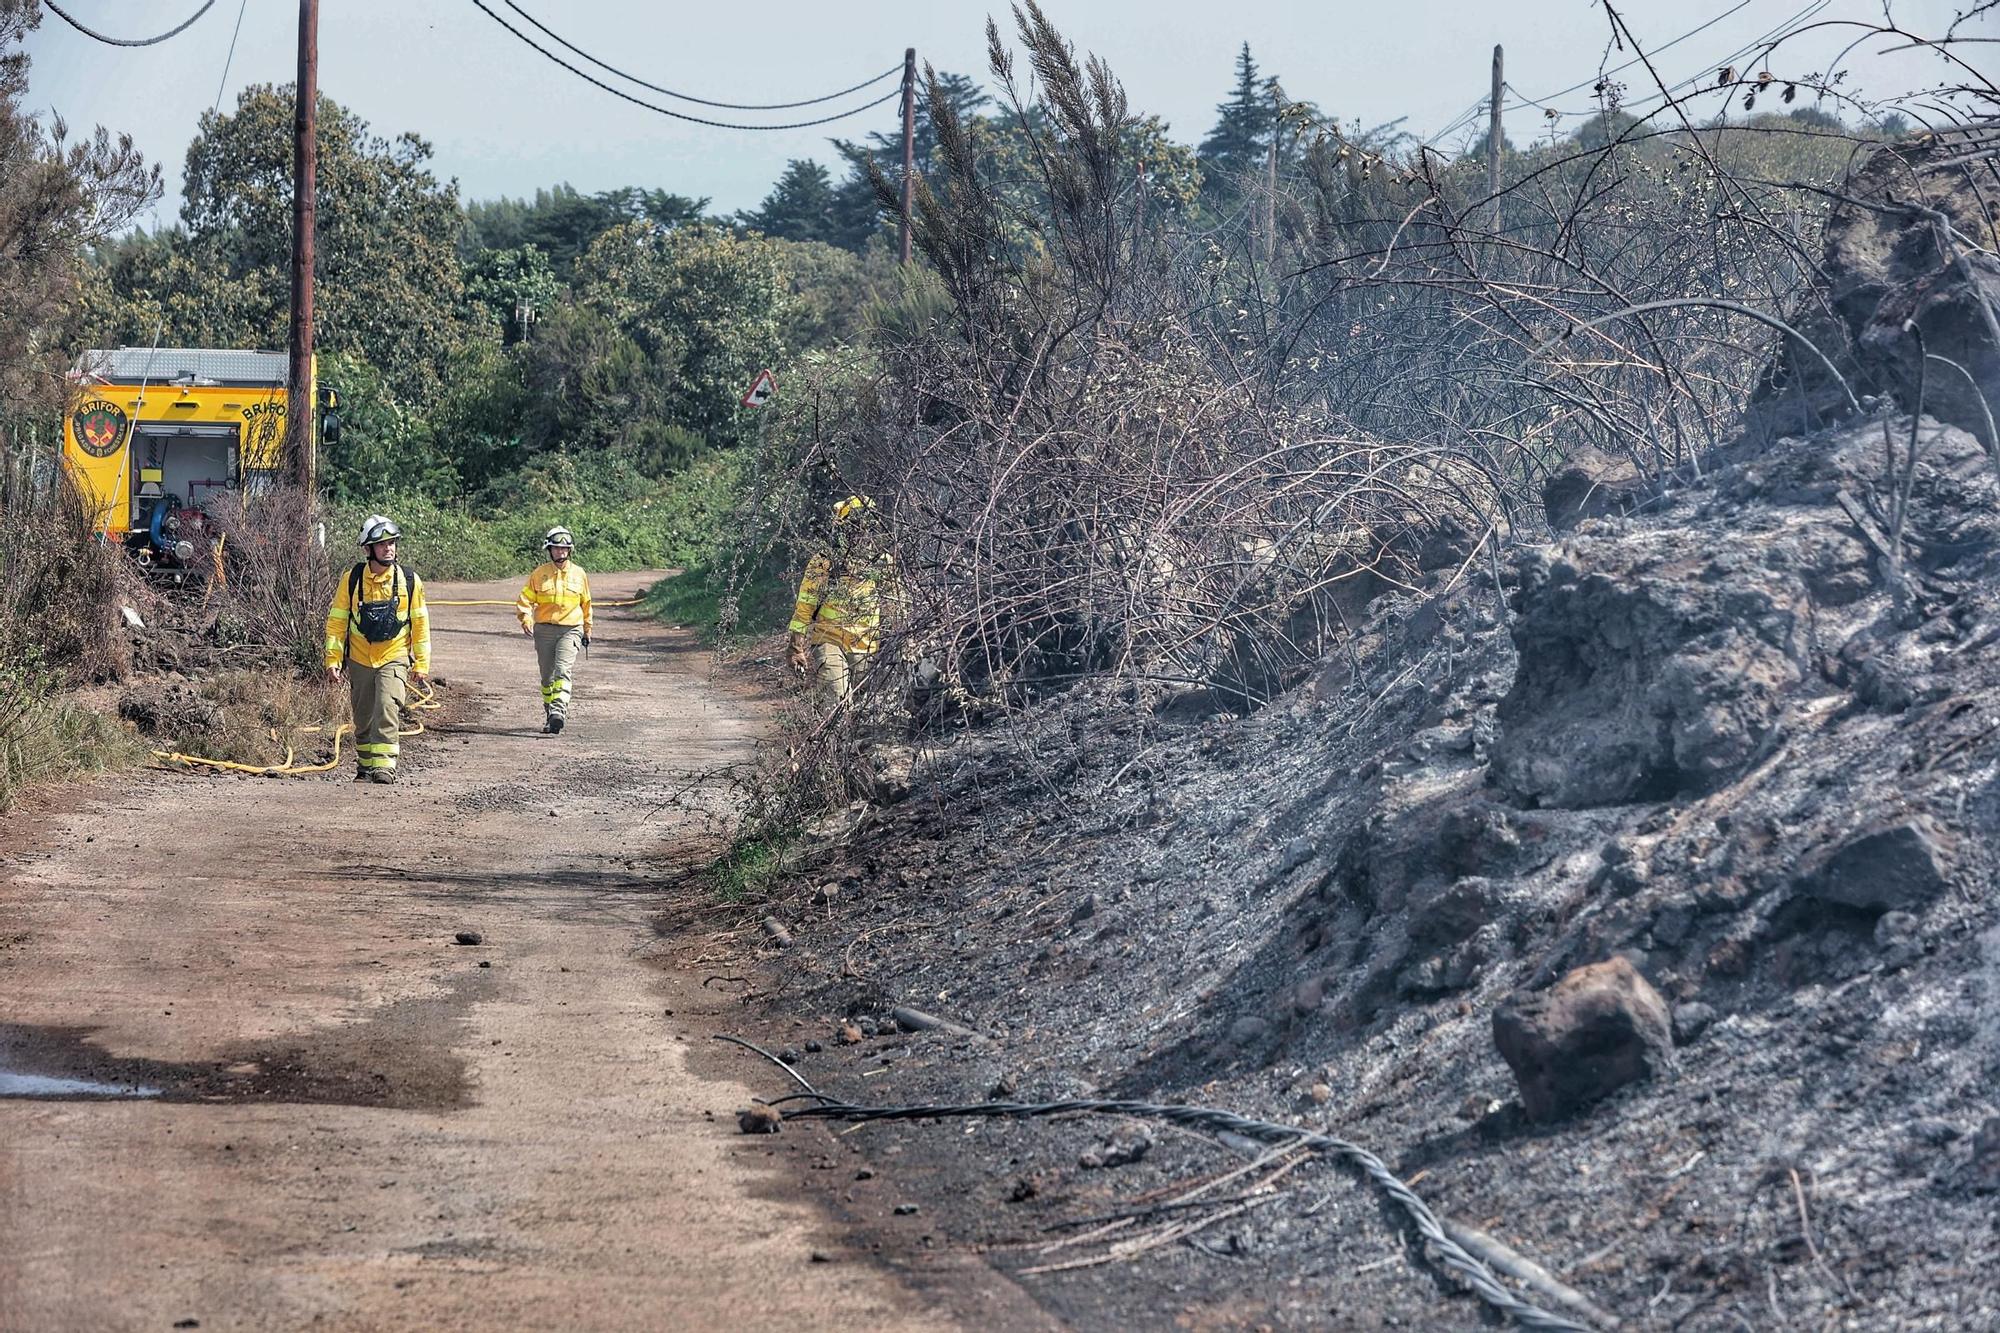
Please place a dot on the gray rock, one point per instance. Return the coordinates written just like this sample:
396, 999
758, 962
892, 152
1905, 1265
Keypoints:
1457, 911
1297, 853
1084, 910
1475, 837
1595, 1031
1248, 1031
1651, 663
1453, 970
1935, 1131
1692, 1019
1898, 866
1120, 1150
1673, 921
1895, 928
1982, 1174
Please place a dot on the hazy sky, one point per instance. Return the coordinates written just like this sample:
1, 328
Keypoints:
504, 121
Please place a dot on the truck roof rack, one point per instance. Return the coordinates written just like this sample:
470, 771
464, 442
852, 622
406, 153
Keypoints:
228, 367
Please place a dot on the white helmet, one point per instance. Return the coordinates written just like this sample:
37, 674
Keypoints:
379, 528
558, 536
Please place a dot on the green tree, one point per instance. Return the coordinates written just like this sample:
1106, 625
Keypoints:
1236, 147
57, 197
163, 286
562, 222
390, 288
1605, 127
705, 305
832, 290
799, 207
515, 287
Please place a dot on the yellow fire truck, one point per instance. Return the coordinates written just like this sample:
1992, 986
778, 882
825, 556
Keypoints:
155, 435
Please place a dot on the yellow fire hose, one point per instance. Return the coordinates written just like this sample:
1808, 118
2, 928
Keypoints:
425, 701
431, 601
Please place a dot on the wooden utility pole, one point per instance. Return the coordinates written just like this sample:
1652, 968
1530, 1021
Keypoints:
299, 390
909, 150
1493, 132
1270, 218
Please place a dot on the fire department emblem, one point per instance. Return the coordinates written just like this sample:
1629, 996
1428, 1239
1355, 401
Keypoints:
99, 426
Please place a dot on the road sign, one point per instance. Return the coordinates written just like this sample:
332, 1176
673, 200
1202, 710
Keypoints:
762, 389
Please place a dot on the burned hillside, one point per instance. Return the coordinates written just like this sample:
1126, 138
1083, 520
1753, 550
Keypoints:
1573, 772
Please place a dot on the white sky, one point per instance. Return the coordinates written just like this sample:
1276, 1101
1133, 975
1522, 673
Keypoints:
504, 121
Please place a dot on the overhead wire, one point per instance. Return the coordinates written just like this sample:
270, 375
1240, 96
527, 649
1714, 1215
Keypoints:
70, 19
558, 38
1769, 38
230, 59
1777, 33
1635, 60
668, 111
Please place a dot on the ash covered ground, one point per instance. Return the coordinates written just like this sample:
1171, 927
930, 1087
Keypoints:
1710, 738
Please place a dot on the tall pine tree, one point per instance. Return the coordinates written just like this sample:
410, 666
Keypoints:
1236, 147
799, 207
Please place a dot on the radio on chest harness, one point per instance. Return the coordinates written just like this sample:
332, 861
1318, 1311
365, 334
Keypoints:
378, 621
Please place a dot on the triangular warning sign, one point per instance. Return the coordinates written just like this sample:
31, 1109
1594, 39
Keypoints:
761, 389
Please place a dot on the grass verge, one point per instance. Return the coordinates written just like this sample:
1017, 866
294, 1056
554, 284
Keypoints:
48, 738
751, 866
698, 596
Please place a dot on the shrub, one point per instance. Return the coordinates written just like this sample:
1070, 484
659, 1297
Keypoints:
619, 524
58, 593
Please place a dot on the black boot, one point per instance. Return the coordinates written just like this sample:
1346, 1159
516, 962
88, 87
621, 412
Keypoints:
555, 724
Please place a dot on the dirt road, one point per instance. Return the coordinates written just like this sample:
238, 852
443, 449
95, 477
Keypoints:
361, 1124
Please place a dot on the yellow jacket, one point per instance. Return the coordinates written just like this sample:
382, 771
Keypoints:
412, 642
555, 596
845, 609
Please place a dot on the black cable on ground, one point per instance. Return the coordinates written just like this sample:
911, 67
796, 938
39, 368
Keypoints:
574, 49
529, 42
797, 1077
60, 13
1453, 1255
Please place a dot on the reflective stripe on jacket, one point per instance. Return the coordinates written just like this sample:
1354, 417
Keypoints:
555, 596
408, 590
843, 609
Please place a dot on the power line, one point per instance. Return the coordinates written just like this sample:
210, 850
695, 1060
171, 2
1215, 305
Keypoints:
558, 38
1542, 103
667, 111
1784, 29
58, 11
229, 59
1635, 60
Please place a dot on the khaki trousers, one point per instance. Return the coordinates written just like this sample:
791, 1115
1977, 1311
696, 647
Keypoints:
836, 674
555, 650
377, 695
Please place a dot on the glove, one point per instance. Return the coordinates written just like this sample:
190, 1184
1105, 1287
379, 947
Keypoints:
586, 641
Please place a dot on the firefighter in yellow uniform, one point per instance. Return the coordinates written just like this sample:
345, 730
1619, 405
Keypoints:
837, 620
378, 633
554, 609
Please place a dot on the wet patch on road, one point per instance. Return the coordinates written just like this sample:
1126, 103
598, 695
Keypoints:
392, 1061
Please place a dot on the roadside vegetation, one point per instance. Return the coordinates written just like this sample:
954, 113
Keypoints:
1172, 418
58, 195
